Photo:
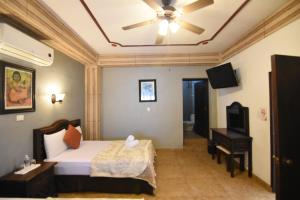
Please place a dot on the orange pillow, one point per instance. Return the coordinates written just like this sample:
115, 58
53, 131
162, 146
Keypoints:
72, 137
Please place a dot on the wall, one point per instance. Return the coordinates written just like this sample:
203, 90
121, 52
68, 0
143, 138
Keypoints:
123, 114
16, 137
253, 65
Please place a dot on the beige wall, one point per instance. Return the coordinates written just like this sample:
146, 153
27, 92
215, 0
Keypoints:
253, 65
123, 114
16, 138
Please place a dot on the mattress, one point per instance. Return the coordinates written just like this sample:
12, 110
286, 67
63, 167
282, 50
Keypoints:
78, 161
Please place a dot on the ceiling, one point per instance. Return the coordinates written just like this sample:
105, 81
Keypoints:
99, 24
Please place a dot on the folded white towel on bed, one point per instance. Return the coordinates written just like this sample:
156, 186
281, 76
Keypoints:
130, 138
132, 144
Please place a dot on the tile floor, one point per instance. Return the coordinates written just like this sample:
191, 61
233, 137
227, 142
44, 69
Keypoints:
190, 135
191, 174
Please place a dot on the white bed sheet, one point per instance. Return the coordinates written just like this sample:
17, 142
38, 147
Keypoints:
78, 161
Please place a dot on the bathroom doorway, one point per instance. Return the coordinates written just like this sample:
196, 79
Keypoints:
195, 108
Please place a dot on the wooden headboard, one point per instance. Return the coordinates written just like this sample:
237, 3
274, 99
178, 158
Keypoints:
39, 152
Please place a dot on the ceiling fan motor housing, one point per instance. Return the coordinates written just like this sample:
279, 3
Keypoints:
169, 17
169, 8
166, 2
169, 13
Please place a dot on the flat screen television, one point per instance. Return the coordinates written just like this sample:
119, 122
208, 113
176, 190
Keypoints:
222, 76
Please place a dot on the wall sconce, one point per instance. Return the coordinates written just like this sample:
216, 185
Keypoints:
57, 98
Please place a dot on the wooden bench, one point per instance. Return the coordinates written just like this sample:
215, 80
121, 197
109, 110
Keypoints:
230, 159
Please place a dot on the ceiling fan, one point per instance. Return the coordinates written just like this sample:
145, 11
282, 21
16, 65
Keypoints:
169, 17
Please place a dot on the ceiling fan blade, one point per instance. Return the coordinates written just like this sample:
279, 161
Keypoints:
153, 4
196, 5
190, 27
159, 39
144, 23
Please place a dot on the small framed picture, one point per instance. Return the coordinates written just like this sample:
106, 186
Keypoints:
17, 88
147, 90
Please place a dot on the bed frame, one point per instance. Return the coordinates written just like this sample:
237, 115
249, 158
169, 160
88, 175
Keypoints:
82, 183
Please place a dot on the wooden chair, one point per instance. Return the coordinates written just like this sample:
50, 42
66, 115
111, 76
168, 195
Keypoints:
230, 159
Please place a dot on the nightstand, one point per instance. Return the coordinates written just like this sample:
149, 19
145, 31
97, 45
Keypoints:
38, 183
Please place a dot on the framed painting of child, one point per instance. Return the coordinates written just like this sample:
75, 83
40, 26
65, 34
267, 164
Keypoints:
17, 88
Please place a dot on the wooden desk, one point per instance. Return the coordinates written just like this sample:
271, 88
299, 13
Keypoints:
38, 183
234, 142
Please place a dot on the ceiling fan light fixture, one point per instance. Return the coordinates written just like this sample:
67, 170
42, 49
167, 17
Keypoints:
169, 18
178, 12
163, 27
174, 27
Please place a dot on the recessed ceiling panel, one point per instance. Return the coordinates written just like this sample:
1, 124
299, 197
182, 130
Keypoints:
122, 13
100, 22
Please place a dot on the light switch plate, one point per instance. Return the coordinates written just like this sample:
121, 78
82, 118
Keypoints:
262, 114
20, 118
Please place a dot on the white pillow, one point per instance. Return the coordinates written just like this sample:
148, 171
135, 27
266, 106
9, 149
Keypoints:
54, 144
80, 131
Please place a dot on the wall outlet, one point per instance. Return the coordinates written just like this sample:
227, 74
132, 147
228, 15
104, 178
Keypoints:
19, 118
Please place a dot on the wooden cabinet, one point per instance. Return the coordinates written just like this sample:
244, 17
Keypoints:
38, 183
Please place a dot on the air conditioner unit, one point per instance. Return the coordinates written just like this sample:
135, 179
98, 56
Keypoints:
19, 48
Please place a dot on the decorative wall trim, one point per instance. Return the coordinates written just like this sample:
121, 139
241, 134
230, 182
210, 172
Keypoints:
92, 102
36, 16
282, 17
86, 7
136, 60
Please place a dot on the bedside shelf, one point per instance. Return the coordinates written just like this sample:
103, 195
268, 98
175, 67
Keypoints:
38, 183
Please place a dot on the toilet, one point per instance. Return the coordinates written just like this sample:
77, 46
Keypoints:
189, 125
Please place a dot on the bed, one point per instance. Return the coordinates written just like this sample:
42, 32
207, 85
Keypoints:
72, 169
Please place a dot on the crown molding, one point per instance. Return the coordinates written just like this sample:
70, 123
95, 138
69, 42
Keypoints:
2, 10
288, 13
36, 16
136, 60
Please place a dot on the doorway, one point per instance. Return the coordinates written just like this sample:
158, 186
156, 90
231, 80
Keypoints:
272, 139
195, 108
285, 109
